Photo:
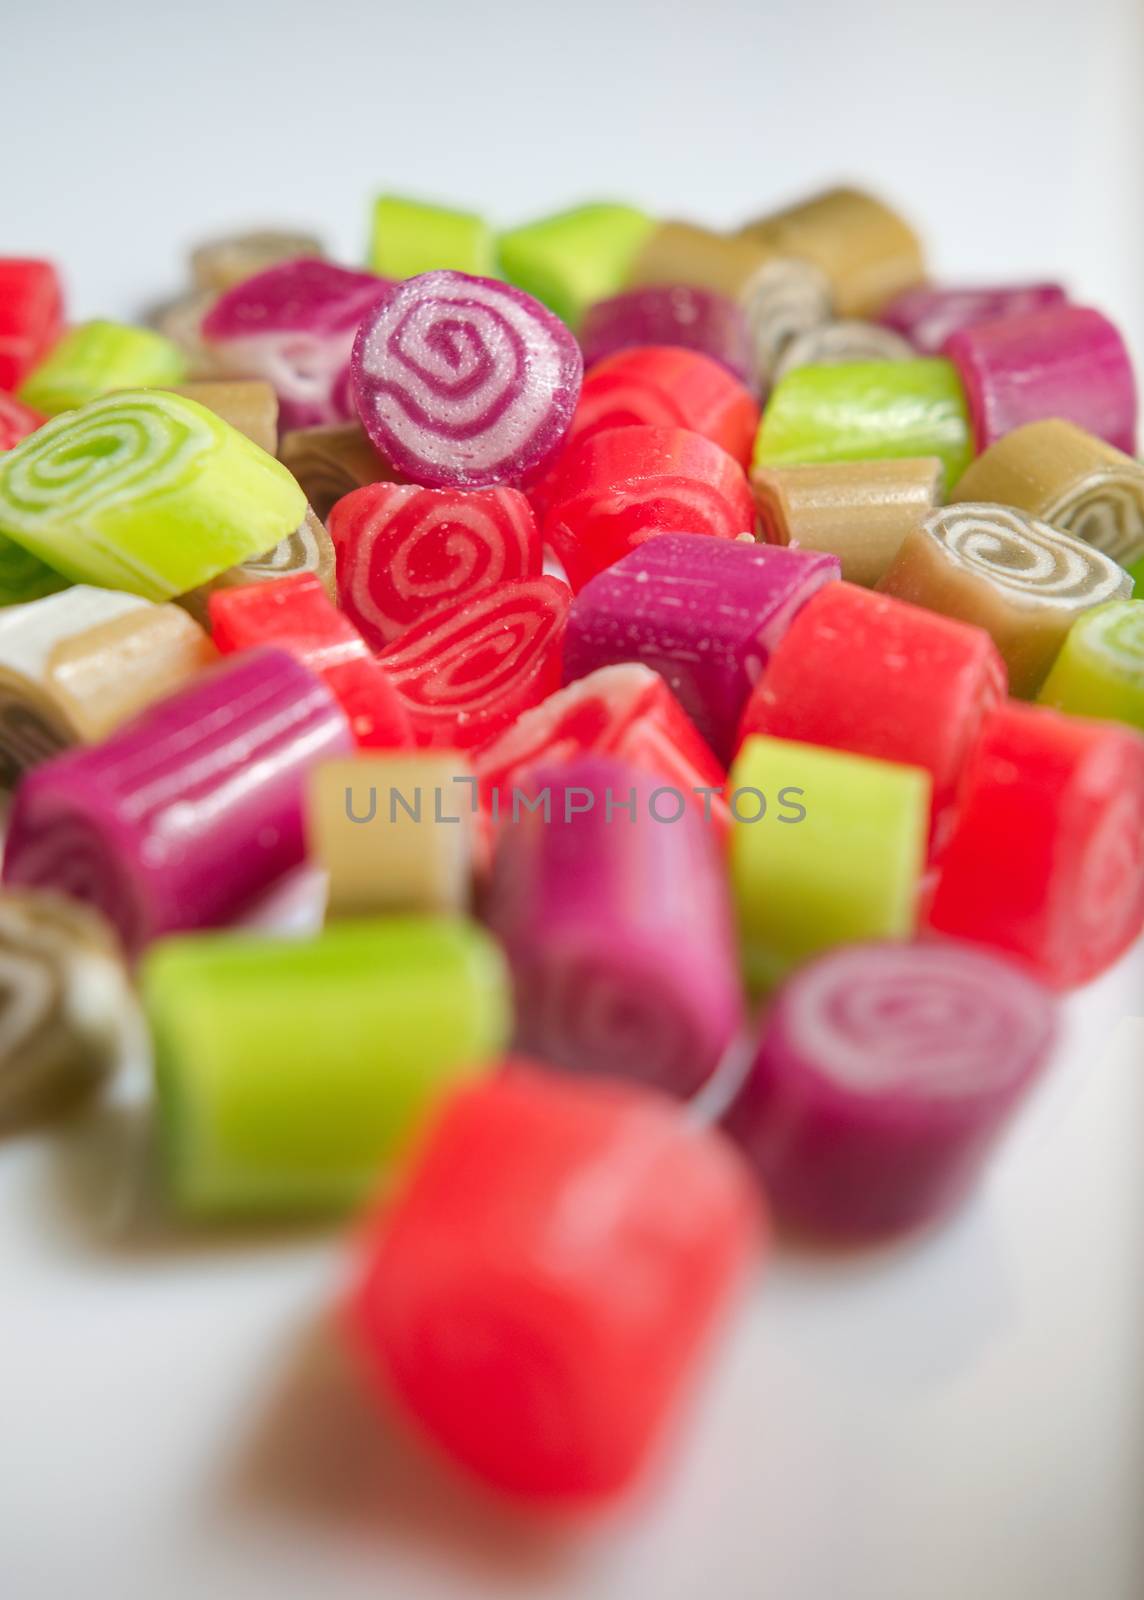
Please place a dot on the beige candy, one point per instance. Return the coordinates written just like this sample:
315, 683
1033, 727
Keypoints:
248, 404
832, 344
181, 321
683, 252
787, 298
219, 264
330, 460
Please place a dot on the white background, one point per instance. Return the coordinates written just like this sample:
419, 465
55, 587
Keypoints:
958, 1417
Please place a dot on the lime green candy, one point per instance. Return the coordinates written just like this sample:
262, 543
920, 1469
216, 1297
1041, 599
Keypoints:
96, 358
1136, 573
145, 491
572, 260
291, 1074
868, 411
1100, 670
410, 237
25, 577
847, 870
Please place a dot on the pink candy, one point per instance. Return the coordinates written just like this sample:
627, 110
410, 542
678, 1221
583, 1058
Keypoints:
928, 315
670, 314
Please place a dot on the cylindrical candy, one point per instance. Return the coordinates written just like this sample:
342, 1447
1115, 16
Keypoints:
1068, 362
617, 489
248, 404
309, 549
786, 299
186, 813
409, 237
31, 316
928, 314
291, 1074
684, 252
464, 382
670, 314
1020, 580
832, 344
1047, 859
218, 264
96, 357
571, 260
16, 421
705, 613
884, 1076
23, 576
1100, 670
330, 461
540, 1295
404, 552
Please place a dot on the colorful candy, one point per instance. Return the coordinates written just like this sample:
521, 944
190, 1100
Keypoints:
609, 896
16, 421
308, 550
144, 491
187, 812
404, 552
1047, 860
96, 357
705, 613
181, 321
1020, 580
670, 314
617, 489
1067, 361
248, 404
884, 1076
1100, 670
24, 577
292, 1074
331, 461
463, 382
826, 849
410, 237
833, 344
570, 261
927, 315
542, 1290
682, 252
219, 264
31, 316
785, 300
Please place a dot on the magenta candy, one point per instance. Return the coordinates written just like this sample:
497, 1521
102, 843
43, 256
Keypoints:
617, 926
672, 314
884, 1075
464, 382
928, 315
294, 326
188, 811
705, 613
1067, 362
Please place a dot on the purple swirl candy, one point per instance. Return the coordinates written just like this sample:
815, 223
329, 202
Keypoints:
695, 319
464, 382
294, 326
927, 315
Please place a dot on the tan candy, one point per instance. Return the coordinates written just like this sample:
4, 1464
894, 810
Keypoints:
330, 460
683, 252
221, 263
247, 404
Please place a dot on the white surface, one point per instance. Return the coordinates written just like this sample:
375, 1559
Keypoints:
959, 1417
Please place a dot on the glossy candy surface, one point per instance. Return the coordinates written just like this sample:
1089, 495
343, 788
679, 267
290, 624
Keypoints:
96, 357
409, 237
670, 314
575, 258
31, 316
1100, 670
928, 314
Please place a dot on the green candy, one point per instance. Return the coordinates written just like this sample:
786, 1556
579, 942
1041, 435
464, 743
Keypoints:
847, 870
97, 357
868, 411
1136, 573
145, 491
572, 260
1100, 670
292, 1073
24, 577
410, 237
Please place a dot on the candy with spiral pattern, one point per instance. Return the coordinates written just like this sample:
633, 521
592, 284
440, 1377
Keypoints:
835, 343
1100, 670
785, 299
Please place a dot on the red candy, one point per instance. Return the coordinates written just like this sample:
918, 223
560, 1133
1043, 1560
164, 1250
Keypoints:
16, 421
404, 552
540, 1293
665, 387
621, 487
31, 316
1047, 859
471, 668
295, 613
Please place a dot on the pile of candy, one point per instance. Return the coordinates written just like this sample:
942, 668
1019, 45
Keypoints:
752, 719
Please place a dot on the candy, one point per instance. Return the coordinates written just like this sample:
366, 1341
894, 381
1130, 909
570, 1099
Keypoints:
247, 404
870, 410
31, 316
394, 832
181, 321
540, 1294
404, 552
1056, 472
1068, 362
16, 421
410, 237
609, 897
705, 613
77, 664
1019, 579
571, 260
1100, 670
187, 812
675, 314
23, 577
295, 613
309, 549
465, 672
834, 343
617, 489
787, 298
66, 1005
221, 263
329, 461
681, 252
463, 382
926, 315
884, 1076
826, 849
859, 671
144, 491
859, 511
294, 326
292, 1074
96, 357
627, 712
867, 252
1047, 859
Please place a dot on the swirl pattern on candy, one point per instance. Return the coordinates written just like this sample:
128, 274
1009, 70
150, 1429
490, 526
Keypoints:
330, 461
927, 315
670, 314
833, 343
403, 551
1100, 670
464, 382
785, 300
